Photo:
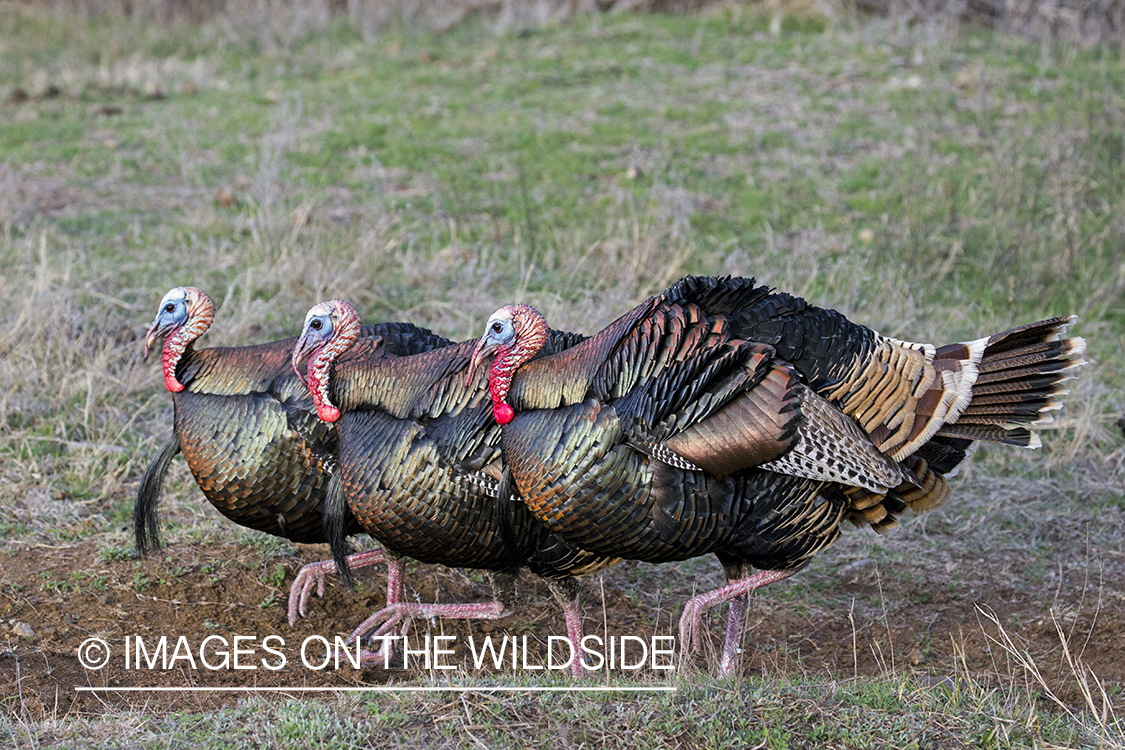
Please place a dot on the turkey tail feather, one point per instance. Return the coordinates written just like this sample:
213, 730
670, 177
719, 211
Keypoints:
146, 524
1021, 381
926, 490
1021, 436
1052, 329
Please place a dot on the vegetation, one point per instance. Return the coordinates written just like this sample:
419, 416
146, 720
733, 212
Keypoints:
774, 713
934, 184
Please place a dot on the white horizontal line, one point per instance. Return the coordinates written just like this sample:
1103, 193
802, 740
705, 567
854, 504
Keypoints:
380, 689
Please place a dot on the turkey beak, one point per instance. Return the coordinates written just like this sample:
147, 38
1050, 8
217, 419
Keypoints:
302, 350
156, 331
485, 347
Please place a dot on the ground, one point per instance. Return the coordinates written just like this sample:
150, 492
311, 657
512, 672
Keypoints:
869, 621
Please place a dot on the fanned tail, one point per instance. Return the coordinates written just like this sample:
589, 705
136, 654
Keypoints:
1002, 389
146, 524
1020, 382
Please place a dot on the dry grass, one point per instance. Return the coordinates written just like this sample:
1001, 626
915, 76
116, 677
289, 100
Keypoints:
282, 23
987, 207
1098, 716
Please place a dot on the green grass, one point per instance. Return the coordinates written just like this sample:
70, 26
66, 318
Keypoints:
935, 189
765, 713
511, 142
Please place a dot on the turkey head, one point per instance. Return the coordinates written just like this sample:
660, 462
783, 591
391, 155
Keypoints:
330, 329
185, 314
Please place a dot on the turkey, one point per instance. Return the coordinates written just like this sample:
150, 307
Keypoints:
723, 417
246, 425
418, 466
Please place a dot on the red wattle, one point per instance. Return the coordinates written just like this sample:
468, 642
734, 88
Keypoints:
503, 413
170, 357
327, 412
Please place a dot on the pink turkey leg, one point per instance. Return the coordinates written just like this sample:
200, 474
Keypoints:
690, 620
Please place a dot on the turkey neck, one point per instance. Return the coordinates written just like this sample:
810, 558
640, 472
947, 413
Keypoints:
530, 335
179, 343
320, 365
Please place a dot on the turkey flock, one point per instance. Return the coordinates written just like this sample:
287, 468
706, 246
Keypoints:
717, 417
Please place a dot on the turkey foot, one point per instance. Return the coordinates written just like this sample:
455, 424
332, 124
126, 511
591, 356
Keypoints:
317, 574
691, 620
386, 619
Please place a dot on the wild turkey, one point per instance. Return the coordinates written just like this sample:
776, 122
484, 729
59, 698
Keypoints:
246, 425
723, 417
418, 461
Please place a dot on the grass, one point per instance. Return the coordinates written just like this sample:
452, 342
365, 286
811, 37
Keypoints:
934, 187
757, 712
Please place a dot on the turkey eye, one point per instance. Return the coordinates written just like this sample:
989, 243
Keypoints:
316, 325
497, 327
169, 308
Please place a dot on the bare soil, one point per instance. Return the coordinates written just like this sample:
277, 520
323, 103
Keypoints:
870, 624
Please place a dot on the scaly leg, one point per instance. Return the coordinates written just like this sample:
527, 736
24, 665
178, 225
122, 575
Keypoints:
566, 593
736, 569
691, 620
396, 569
736, 621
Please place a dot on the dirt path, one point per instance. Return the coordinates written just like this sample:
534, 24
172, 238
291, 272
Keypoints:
200, 591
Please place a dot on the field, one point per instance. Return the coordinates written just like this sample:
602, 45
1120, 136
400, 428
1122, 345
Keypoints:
935, 183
